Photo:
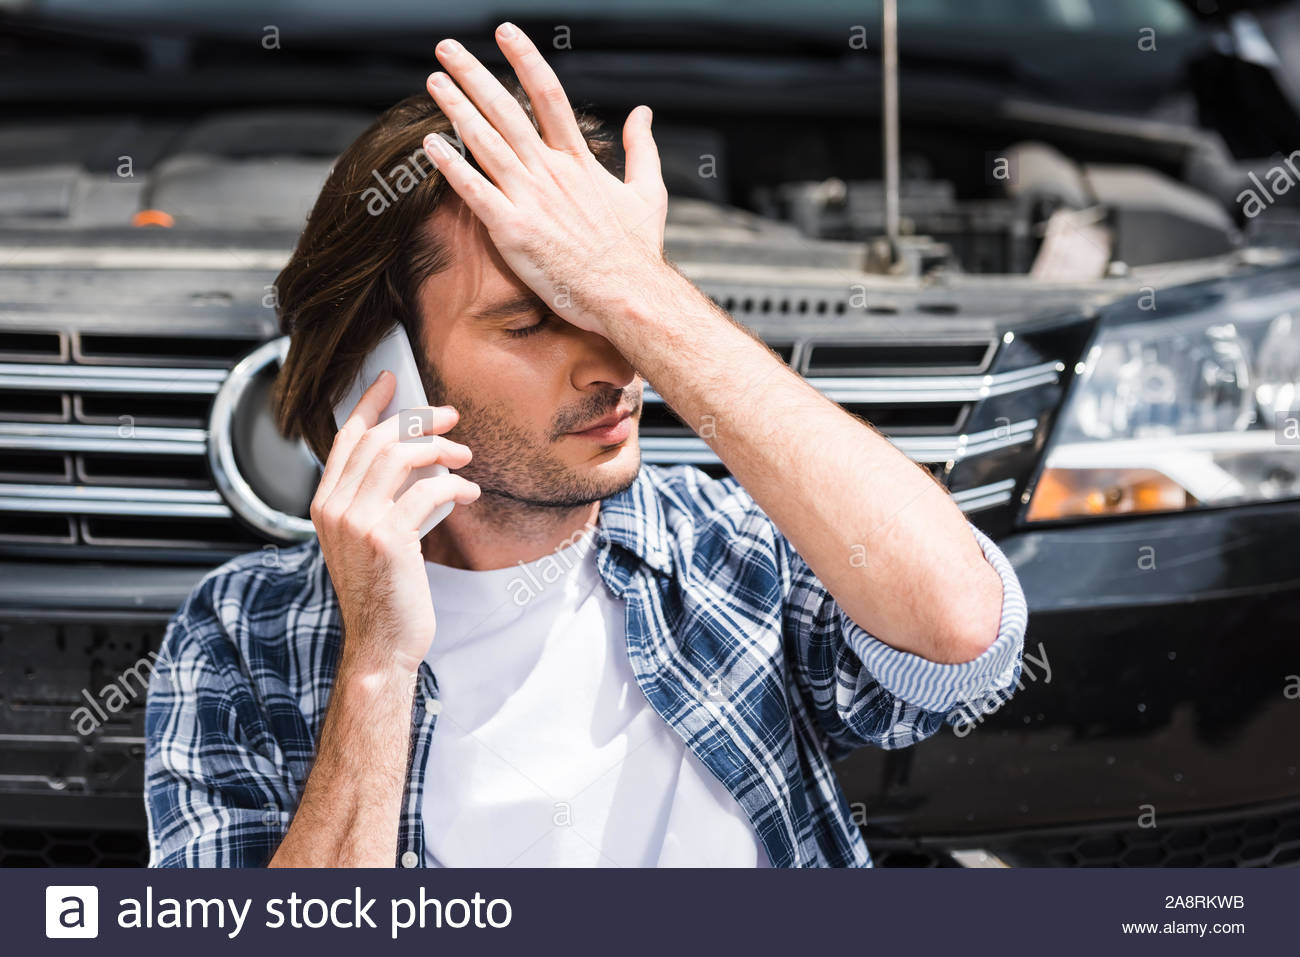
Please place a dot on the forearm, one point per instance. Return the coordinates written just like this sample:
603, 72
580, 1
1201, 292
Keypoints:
350, 809
887, 542
883, 536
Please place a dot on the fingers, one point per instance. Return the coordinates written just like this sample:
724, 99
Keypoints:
491, 99
433, 421
497, 157
550, 104
484, 199
642, 169
392, 465
373, 401
415, 504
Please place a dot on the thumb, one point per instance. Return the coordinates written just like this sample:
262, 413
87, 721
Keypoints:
641, 170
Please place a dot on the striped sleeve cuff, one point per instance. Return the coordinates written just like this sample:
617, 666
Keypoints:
941, 687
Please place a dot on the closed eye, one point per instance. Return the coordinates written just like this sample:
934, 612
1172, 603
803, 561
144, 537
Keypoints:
523, 331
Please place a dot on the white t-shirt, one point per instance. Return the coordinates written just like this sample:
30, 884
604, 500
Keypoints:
545, 751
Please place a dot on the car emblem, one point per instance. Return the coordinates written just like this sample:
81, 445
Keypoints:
266, 479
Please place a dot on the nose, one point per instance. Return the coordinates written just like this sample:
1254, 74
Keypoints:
598, 365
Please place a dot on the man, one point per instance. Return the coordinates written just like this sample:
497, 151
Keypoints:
588, 662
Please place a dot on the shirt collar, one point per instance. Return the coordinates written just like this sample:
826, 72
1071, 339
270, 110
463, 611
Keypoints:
634, 520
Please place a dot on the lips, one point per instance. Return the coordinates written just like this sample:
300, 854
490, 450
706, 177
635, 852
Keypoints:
607, 422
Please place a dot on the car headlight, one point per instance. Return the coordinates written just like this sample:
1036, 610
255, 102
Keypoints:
1173, 411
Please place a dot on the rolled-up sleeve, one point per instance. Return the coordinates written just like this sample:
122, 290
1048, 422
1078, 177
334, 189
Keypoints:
864, 691
943, 687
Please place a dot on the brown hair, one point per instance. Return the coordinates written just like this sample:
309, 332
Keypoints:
363, 256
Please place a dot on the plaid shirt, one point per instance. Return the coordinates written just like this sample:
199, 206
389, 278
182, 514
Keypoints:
732, 638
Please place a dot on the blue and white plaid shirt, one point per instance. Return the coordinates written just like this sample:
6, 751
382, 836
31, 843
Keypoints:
732, 638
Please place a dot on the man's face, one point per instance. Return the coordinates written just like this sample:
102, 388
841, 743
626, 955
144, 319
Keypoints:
524, 381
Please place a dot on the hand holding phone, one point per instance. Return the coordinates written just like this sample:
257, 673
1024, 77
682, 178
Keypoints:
367, 531
394, 354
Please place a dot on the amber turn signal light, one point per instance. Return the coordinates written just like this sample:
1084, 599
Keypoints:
152, 217
1088, 493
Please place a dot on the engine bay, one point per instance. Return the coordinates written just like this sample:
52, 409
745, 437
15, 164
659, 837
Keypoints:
1030, 204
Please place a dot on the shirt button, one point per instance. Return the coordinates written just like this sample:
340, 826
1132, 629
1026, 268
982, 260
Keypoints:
409, 859
432, 705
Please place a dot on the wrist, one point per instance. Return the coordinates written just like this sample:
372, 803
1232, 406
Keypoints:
650, 305
371, 681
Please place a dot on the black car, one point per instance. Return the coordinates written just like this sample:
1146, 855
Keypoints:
1069, 286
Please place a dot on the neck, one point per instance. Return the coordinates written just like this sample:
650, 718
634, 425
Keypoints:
495, 532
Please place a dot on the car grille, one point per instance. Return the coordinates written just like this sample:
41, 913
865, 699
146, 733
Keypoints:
952, 387
1259, 837
43, 847
103, 442
1257, 840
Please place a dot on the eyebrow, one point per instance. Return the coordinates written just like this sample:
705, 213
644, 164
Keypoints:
517, 305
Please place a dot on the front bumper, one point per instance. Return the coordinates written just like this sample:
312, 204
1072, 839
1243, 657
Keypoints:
1171, 644
1158, 731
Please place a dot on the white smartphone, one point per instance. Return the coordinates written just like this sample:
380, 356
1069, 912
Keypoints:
394, 354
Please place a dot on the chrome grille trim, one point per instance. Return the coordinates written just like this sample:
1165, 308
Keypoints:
662, 451
87, 378
931, 450
954, 448
202, 503
97, 257
141, 440
957, 388
112, 500
985, 496
881, 389
667, 450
